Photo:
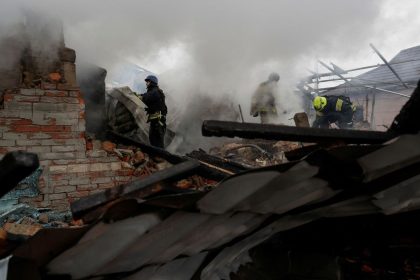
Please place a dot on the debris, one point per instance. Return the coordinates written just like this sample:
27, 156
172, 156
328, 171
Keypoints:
20, 231
14, 167
184, 184
3, 237
90, 202
289, 133
126, 165
54, 77
43, 218
301, 120
138, 158
108, 146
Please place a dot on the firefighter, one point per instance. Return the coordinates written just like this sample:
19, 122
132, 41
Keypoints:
263, 101
333, 109
154, 98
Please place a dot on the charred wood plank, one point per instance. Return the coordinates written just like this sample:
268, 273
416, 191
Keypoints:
217, 161
87, 203
298, 154
290, 133
14, 167
154, 151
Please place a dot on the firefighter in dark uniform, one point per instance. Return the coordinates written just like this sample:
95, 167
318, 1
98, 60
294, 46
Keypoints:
156, 110
333, 109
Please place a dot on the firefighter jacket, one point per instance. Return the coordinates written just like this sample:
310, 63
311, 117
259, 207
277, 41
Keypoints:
338, 109
154, 99
263, 100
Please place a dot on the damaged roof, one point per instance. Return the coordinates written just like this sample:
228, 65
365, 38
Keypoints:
212, 240
209, 235
407, 65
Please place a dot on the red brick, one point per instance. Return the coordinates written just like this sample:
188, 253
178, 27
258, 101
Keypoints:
38, 198
64, 189
78, 194
57, 196
8, 97
125, 172
48, 86
106, 185
60, 205
67, 87
22, 230
76, 93
23, 98
62, 135
87, 187
55, 128
98, 174
21, 122
57, 177
25, 128
56, 93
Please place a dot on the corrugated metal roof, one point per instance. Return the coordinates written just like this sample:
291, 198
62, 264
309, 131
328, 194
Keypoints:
407, 65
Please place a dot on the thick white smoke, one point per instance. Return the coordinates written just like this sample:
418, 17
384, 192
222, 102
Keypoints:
216, 47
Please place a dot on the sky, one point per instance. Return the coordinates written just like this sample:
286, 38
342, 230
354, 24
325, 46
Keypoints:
225, 48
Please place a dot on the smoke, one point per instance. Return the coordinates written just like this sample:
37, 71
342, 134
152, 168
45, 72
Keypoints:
218, 48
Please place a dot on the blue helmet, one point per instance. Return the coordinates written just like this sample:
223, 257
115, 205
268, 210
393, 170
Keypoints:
152, 78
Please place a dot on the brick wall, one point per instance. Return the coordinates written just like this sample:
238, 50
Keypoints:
49, 121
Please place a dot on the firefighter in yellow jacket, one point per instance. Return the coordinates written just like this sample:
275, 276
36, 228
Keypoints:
264, 101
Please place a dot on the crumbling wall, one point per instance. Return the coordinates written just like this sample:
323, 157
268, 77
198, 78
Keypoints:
43, 111
50, 121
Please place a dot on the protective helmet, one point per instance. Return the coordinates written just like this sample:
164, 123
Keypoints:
319, 103
274, 77
152, 78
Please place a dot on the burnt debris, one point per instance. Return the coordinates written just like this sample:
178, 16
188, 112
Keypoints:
14, 167
289, 133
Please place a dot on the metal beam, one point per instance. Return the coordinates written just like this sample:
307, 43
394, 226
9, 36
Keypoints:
365, 80
363, 68
348, 81
291, 133
387, 64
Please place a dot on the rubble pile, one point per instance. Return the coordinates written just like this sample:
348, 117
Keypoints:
22, 222
255, 153
141, 165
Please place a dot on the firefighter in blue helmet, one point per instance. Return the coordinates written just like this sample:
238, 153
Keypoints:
263, 102
333, 109
154, 98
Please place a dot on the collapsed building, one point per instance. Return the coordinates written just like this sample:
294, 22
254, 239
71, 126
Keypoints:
345, 208
379, 93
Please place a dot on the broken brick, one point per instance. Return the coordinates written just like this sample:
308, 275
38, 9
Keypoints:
108, 146
19, 231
